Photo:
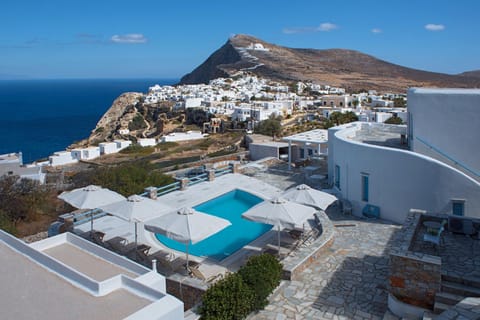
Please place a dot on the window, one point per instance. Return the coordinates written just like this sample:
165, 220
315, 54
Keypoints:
458, 207
337, 176
302, 153
365, 187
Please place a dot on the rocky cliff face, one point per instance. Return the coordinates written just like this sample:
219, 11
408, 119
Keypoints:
338, 67
122, 111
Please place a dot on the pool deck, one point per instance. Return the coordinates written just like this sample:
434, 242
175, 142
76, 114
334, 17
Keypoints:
192, 196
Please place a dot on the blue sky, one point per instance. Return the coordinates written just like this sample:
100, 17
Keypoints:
166, 39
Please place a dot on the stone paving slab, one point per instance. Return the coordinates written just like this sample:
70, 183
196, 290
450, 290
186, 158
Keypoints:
348, 282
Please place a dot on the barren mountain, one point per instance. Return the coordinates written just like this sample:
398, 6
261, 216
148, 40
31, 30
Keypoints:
472, 74
337, 67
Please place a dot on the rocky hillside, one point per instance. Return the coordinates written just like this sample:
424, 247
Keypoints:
473, 74
129, 112
338, 67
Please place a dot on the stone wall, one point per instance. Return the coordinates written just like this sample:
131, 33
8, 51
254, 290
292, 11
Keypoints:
303, 257
415, 280
190, 293
414, 277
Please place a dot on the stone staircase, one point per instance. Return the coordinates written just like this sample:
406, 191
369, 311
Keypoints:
453, 290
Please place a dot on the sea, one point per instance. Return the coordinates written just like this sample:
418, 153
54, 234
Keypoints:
39, 117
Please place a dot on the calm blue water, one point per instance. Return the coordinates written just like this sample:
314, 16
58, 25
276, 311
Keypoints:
229, 206
39, 117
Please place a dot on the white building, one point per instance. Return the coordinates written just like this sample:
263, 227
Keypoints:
309, 144
61, 158
147, 142
370, 164
88, 153
12, 164
182, 136
124, 131
193, 103
67, 277
381, 103
108, 147
381, 117
444, 124
122, 144
337, 101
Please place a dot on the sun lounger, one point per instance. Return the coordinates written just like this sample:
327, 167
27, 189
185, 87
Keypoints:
167, 263
204, 275
119, 245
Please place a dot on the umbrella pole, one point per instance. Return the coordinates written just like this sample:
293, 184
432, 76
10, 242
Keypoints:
278, 233
136, 253
91, 225
187, 255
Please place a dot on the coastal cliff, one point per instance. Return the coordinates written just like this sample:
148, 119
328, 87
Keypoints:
350, 69
118, 116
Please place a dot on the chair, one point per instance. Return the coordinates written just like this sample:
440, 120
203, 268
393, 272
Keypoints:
433, 237
167, 263
97, 237
205, 274
120, 245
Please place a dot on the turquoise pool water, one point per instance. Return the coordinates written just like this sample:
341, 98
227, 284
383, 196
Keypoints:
229, 206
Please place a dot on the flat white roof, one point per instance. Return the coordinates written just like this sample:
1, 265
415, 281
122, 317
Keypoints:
29, 291
67, 277
276, 144
88, 264
445, 91
315, 136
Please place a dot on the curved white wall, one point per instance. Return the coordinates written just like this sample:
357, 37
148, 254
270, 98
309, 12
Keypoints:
398, 180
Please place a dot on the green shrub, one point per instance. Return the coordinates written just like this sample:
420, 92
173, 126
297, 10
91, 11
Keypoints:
137, 123
167, 145
138, 149
129, 179
229, 298
262, 274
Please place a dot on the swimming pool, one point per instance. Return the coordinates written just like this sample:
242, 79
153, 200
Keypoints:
229, 206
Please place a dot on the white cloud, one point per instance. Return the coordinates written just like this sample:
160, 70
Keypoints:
323, 27
434, 27
327, 26
129, 38
376, 30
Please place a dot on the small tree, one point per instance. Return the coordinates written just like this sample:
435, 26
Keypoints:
394, 120
229, 298
261, 273
272, 126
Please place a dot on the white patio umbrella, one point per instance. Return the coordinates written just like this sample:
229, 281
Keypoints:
187, 226
280, 213
136, 209
90, 197
305, 195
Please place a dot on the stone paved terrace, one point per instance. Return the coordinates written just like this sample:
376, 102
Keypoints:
349, 282
460, 254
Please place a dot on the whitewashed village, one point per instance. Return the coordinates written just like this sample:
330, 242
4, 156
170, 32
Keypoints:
403, 177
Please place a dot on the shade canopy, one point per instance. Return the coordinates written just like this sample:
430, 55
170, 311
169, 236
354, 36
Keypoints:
136, 209
280, 213
187, 225
90, 197
305, 195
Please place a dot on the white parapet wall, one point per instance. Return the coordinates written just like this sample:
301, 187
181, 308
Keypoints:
182, 136
147, 142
